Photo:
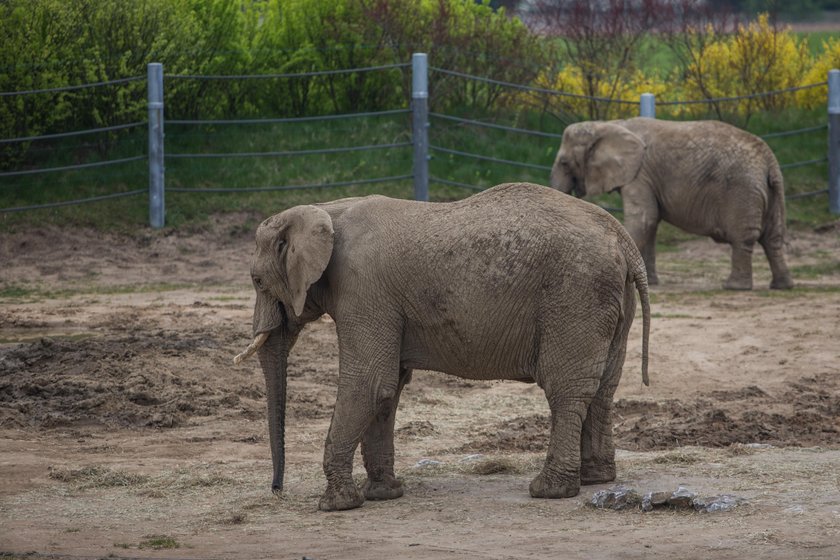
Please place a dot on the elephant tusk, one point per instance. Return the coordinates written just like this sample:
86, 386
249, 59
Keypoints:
259, 340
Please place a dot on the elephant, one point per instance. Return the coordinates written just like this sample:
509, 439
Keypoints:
705, 177
519, 282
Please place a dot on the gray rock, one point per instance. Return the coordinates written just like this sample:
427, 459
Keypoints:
618, 497
681, 498
655, 499
713, 504
427, 463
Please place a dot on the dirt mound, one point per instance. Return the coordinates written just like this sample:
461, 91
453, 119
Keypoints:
124, 381
805, 414
151, 378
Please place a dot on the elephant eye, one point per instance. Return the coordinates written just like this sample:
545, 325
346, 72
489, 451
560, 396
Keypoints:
258, 282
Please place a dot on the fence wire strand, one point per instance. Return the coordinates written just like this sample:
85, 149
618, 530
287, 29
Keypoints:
495, 126
74, 133
290, 153
72, 88
290, 187
520, 87
290, 75
74, 202
489, 158
72, 167
281, 120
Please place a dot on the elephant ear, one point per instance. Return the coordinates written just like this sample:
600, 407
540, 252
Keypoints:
303, 239
310, 238
613, 159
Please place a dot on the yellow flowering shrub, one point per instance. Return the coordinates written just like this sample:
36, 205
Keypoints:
830, 59
572, 80
755, 58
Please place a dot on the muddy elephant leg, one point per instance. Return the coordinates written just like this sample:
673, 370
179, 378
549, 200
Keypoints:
367, 380
740, 278
560, 476
378, 449
570, 386
774, 249
597, 449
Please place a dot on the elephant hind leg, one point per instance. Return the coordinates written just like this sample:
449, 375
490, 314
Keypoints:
775, 251
740, 278
597, 449
570, 389
378, 449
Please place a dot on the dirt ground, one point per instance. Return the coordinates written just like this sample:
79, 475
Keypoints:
126, 431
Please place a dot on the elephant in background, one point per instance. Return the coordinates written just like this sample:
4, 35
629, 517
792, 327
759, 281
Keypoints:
519, 282
705, 177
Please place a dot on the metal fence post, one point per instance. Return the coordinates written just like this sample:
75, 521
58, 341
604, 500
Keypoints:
157, 208
834, 141
647, 105
420, 124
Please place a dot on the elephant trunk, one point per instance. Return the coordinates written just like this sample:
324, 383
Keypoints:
273, 356
561, 179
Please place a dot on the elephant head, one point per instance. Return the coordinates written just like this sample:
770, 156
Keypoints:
293, 250
596, 158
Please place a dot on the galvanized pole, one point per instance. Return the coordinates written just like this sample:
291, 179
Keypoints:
157, 208
647, 105
834, 141
420, 124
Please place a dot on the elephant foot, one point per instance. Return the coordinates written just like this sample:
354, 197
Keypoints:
781, 283
597, 473
345, 497
387, 489
738, 284
554, 487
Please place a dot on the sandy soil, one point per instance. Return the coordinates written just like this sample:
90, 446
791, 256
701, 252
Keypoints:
126, 431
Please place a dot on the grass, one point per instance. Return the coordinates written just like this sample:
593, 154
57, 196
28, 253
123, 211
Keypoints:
16, 291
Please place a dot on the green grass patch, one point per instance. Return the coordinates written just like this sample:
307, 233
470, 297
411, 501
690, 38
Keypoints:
826, 268
15, 291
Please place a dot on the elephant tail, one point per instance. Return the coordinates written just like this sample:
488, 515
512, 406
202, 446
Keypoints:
638, 274
640, 279
775, 222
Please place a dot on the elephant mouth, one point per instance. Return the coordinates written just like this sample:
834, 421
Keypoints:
578, 188
259, 340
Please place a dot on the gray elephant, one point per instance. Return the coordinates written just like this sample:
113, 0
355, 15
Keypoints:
519, 282
705, 177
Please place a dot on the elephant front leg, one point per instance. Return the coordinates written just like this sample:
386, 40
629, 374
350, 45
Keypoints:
378, 449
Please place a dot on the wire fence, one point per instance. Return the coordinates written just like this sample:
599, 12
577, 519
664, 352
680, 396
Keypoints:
423, 149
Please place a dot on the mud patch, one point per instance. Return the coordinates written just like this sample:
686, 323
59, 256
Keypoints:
806, 413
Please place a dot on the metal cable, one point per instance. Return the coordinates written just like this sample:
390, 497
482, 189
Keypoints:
290, 119
291, 153
71, 167
76, 133
73, 88
290, 187
534, 89
742, 97
74, 202
803, 163
793, 132
496, 126
433, 179
292, 75
487, 158
805, 195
